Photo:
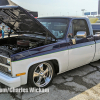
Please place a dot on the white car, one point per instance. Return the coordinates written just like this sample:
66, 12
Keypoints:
6, 28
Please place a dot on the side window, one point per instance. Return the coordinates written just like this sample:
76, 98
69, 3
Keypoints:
79, 25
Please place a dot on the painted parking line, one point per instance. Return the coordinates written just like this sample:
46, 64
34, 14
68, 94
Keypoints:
91, 94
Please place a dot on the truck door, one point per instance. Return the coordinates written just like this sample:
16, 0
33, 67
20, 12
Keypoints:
81, 44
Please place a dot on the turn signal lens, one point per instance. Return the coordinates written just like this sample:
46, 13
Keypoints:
20, 74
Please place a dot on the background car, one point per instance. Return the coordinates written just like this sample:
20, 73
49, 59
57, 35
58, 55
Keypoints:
6, 28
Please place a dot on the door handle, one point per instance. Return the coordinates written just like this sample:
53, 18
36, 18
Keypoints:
90, 38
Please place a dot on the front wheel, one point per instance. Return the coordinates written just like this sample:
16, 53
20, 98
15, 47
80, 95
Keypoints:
41, 75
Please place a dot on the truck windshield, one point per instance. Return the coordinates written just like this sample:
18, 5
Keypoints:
57, 27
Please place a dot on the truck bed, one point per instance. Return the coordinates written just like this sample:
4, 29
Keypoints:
96, 27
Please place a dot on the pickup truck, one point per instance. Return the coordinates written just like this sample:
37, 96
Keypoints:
44, 47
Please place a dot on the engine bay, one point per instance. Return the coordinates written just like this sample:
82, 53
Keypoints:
13, 45
21, 45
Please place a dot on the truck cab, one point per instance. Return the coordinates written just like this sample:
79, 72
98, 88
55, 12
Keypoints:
79, 39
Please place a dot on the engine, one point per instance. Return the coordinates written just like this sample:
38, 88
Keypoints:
20, 46
14, 45
23, 45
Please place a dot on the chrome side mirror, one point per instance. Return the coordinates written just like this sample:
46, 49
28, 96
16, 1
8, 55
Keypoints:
81, 34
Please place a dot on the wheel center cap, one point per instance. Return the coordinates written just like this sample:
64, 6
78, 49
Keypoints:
41, 74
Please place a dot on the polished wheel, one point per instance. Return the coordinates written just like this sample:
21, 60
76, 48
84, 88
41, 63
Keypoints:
42, 74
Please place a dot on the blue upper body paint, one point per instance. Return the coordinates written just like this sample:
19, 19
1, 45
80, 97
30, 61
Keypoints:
60, 45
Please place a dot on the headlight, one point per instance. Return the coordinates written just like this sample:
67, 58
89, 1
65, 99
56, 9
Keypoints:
9, 69
8, 61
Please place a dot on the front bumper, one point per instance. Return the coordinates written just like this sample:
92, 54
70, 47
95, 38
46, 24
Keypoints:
10, 81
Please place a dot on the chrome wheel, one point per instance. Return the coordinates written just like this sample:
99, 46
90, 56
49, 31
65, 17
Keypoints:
42, 74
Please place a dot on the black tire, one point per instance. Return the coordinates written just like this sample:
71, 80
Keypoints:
31, 81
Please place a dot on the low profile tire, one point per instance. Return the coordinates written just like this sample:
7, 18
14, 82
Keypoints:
41, 75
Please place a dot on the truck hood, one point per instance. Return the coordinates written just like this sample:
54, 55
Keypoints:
22, 22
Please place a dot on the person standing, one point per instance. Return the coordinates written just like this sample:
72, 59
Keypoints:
1, 33
3, 28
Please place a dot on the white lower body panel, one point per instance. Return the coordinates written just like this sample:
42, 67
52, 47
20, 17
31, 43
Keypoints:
23, 66
97, 52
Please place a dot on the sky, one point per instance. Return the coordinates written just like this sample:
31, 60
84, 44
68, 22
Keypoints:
59, 7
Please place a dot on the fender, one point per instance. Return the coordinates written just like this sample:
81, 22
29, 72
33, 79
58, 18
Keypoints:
43, 60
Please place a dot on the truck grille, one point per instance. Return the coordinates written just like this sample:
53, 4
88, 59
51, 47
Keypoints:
3, 69
3, 65
3, 60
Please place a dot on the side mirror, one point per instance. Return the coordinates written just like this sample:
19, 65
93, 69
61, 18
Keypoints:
81, 34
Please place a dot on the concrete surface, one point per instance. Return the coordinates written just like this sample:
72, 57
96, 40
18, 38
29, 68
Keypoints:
67, 86
91, 94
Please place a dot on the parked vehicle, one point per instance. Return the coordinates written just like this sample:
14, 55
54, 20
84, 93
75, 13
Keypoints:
6, 28
45, 46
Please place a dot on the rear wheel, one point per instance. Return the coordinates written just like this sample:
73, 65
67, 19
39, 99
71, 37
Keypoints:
41, 75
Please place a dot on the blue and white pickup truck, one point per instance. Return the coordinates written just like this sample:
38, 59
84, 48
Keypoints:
44, 47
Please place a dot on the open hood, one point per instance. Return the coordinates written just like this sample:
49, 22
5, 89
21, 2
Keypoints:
22, 22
